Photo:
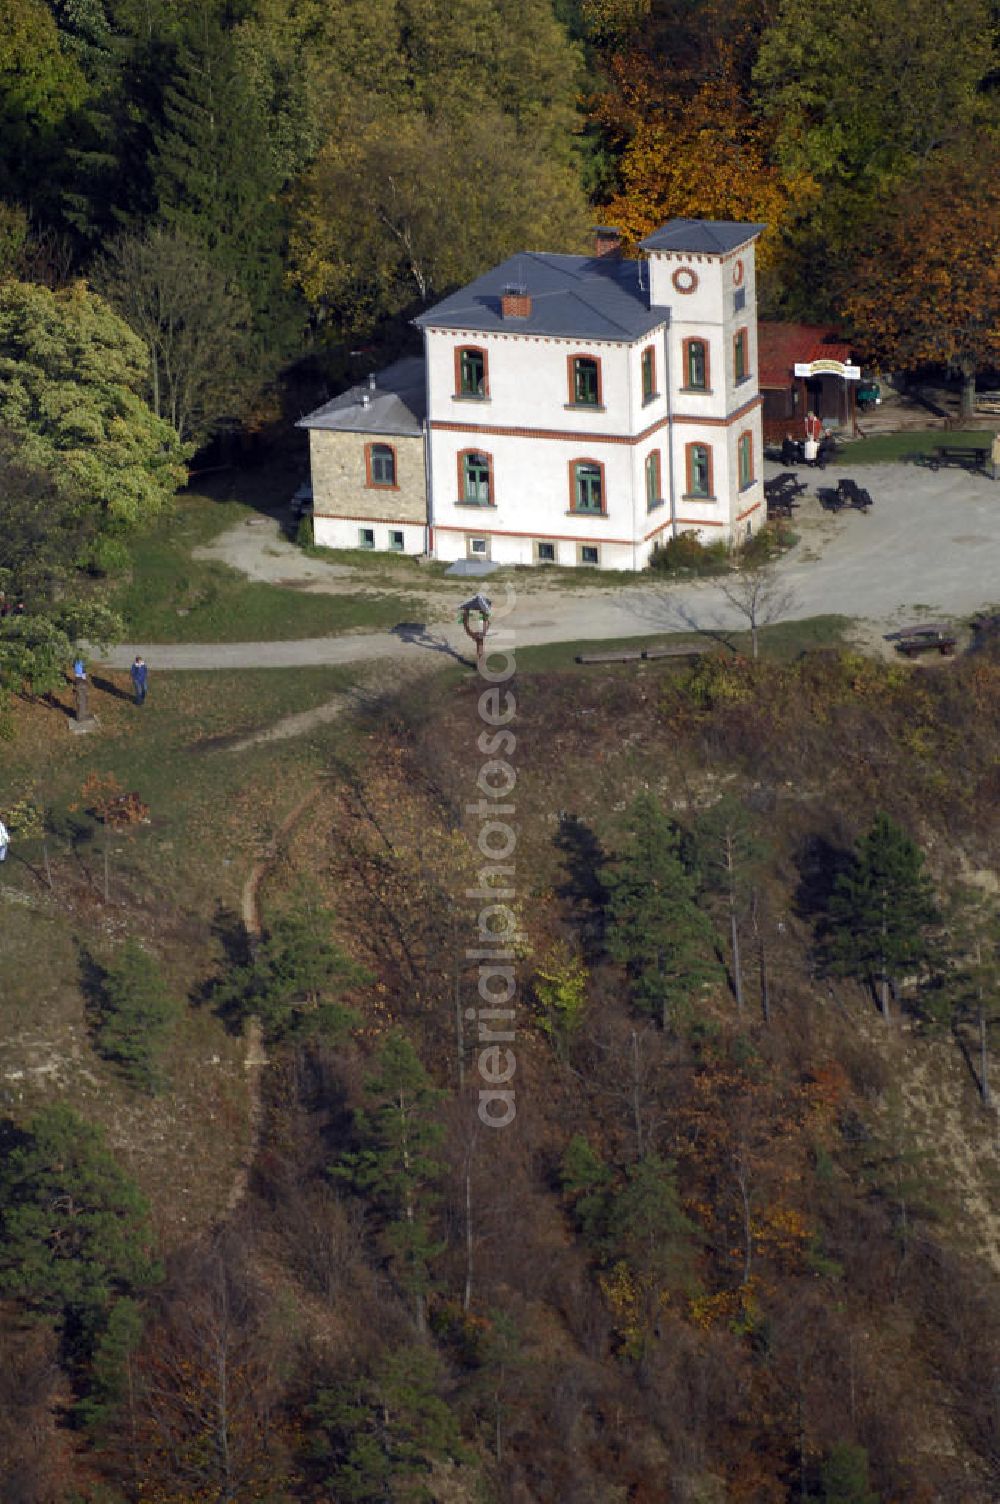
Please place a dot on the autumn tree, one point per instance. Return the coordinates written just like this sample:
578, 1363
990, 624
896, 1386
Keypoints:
657, 930
396, 1163
708, 157
560, 988
634, 1225
400, 207
927, 288
881, 911
198, 1419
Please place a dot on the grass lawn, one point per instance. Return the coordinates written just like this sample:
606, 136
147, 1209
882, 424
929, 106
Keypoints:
884, 447
213, 810
172, 597
782, 642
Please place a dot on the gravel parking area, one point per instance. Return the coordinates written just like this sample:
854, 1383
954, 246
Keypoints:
929, 547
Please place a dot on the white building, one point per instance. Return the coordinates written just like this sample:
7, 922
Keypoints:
577, 410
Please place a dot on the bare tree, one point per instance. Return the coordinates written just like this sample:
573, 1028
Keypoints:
755, 591
194, 323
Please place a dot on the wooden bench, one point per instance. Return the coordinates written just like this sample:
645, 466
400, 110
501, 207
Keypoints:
969, 456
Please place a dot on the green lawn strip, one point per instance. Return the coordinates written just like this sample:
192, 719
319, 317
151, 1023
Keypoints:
782, 642
884, 447
402, 571
172, 597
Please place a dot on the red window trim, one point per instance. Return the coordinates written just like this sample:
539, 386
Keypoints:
583, 459
459, 459
685, 364
571, 385
381, 485
688, 471
459, 349
748, 435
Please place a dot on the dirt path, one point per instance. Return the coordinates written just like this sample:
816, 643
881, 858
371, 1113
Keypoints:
255, 1058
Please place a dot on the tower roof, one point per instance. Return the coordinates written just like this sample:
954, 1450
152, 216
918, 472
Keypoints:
706, 237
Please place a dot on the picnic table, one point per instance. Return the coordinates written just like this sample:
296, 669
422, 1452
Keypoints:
937, 637
780, 493
847, 494
969, 456
853, 495
786, 481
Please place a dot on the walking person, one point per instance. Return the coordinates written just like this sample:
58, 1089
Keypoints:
81, 689
139, 673
4, 841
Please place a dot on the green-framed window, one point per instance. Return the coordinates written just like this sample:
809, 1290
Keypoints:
745, 453
382, 465
476, 478
588, 486
648, 373
696, 364
585, 381
472, 373
699, 470
741, 356
653, 489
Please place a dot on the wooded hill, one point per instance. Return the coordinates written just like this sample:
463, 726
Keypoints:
740, 1241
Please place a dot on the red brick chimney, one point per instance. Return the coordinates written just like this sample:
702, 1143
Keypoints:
607, 240
515, 303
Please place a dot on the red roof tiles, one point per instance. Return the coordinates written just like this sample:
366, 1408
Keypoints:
782, 346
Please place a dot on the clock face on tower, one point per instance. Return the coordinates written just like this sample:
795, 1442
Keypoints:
685, 279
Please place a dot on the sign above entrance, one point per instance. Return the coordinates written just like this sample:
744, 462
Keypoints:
828, 368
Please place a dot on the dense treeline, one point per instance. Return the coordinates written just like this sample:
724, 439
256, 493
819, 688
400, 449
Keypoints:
242, 179
714, 1257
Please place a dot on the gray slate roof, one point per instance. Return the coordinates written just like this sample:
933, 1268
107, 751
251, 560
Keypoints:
397, 405
584, 297
705, 237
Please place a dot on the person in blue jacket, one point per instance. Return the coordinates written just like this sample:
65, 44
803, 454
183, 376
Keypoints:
139, 673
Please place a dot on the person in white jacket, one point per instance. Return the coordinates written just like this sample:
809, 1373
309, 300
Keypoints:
4, 841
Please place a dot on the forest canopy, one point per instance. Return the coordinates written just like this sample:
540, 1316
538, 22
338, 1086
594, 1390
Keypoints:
324, 170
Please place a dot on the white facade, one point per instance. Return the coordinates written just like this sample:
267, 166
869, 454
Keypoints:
545, 445
532, 434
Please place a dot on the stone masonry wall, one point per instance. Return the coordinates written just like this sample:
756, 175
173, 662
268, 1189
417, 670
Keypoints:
339, 476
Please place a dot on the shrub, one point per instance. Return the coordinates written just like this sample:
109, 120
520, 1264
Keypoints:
135, 1016
686, 555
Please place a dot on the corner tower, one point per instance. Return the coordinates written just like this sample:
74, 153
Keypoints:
704, 271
